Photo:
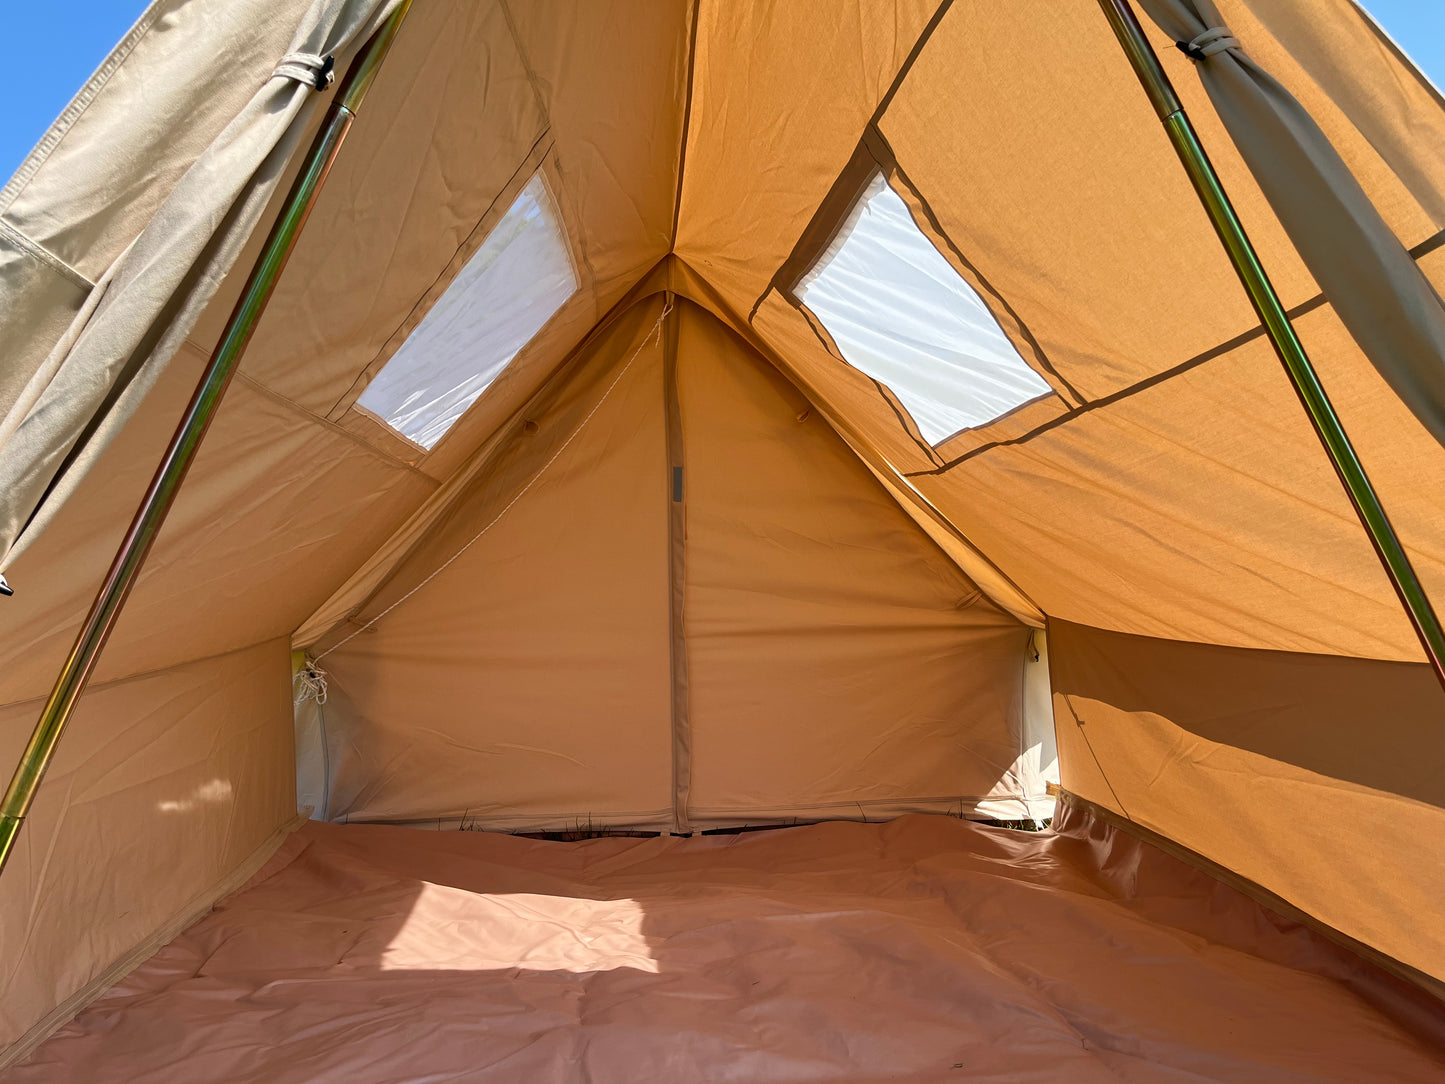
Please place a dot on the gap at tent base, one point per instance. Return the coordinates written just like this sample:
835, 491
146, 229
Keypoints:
922, 949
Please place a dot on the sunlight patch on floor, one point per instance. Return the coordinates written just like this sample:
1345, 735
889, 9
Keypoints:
454, 930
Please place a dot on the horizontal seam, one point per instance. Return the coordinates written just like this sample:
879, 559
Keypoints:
765, 809
1224, 349
45, 256
510, 814
665, 814
329, 425
154, 671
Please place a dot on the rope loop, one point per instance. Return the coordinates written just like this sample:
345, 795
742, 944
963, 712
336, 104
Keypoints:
1214, 40
309, 684
315, 71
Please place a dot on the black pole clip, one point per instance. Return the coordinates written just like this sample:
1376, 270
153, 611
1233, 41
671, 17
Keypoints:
326, 73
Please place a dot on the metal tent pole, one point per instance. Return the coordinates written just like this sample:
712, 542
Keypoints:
1281, 332
157, 502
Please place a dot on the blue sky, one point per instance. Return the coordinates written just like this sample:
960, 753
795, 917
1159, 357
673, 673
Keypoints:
51, 48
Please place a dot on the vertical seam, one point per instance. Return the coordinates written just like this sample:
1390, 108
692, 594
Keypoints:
686, 121
1082, 728
912, 58
681, 735
532, 80
893, 87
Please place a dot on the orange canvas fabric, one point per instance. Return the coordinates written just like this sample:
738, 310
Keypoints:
833, 619
515, 669
1193, 741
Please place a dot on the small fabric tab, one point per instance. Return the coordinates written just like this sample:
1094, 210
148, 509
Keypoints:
1214, 40
315, 71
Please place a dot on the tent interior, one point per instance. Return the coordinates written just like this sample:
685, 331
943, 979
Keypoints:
683, 418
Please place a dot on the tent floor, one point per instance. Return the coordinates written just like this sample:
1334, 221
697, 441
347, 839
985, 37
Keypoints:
925, 949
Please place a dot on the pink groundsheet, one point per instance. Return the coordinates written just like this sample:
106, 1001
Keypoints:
925, 949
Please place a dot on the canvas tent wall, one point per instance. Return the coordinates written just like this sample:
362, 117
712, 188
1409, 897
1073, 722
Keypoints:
814, 609
1230, 667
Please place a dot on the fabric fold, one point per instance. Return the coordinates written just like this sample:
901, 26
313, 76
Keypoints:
115, 351
1384, 300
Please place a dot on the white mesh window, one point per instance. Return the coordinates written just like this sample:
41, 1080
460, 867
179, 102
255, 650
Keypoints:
518, 278
899, 312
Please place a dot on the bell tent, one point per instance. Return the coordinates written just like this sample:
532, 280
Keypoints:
650, 421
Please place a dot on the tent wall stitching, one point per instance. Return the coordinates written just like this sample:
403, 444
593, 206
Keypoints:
676, 571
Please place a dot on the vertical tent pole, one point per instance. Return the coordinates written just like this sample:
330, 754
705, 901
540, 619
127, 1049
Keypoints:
187, 439
1281, 332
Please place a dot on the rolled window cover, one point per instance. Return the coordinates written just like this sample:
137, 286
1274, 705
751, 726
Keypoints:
1390, 308
116, 349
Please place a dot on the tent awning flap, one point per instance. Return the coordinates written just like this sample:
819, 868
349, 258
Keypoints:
168, 274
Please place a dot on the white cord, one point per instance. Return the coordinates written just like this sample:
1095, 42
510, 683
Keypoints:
309, 684
520, 493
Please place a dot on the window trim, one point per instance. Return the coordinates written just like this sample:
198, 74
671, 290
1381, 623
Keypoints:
871, 158
433, 379
346, 413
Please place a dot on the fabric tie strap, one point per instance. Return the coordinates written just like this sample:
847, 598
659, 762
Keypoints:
315, 71
1214, 40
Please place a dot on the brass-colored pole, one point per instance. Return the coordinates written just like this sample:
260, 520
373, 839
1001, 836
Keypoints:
187, 439
1281, 332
